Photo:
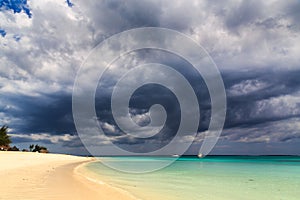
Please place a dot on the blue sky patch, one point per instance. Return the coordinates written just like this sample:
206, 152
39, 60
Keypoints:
70, 4
2, 32
17, 38
16, 5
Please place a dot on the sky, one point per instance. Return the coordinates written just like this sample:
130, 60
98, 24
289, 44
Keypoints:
254, 44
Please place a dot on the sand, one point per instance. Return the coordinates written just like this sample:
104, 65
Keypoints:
28, 176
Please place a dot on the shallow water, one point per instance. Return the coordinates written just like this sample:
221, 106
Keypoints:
216, 177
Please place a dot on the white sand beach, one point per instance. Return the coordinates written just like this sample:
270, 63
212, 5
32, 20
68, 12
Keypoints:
30, 176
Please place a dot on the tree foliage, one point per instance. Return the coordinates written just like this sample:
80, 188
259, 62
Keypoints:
31, 147
4, 138
14, 148
38, 148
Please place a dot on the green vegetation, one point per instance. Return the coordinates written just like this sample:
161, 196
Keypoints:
5, 143
14, 148
4, 138
31, 147
40, 149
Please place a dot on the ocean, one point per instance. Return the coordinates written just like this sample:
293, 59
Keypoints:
209, 178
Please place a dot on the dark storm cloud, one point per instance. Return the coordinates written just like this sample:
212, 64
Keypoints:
53, 113
48, 114
243, 107
255, 45
252, 97
268, 132
29, 139
151, 94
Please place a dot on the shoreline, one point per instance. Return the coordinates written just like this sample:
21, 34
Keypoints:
82, 173
30, 176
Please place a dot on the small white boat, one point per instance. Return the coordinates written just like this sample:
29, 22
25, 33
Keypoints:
200, 155
175, 155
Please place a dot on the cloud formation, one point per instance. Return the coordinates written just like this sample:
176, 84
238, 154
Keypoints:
256, 46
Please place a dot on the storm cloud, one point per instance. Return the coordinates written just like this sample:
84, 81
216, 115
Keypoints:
255, 45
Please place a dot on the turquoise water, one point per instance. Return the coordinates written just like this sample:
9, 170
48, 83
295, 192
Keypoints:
220, 177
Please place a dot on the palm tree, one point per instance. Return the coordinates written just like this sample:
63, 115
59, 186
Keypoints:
4, 138
40, 149
31, 147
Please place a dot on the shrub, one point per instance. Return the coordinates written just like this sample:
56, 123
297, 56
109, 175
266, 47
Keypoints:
14, 148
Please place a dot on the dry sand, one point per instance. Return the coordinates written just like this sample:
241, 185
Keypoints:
28, 176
